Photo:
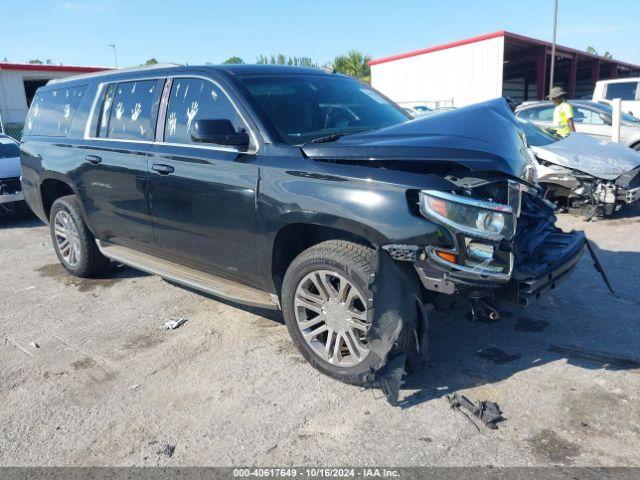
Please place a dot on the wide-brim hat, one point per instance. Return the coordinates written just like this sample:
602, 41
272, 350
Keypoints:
556, 92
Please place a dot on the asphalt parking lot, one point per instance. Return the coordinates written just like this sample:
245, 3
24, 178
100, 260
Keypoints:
107, 386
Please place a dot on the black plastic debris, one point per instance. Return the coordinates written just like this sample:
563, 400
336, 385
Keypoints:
598, 266
497, 356
167, 450
398, 333
603, 359
489, 413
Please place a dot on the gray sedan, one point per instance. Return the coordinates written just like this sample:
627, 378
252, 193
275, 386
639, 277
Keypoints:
592, 118
11, 197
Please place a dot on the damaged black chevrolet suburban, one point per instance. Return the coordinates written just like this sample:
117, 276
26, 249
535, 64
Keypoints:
296, 189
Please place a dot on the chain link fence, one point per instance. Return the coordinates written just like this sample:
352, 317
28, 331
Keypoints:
13, 129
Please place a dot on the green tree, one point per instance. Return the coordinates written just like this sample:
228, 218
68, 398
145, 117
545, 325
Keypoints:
151, 61
233, 61
593, 51
354, 64
281, 59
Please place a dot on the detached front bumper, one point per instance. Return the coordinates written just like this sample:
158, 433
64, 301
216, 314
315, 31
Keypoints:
554, 261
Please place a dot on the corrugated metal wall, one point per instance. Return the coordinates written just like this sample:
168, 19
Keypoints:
467, 74
13, 101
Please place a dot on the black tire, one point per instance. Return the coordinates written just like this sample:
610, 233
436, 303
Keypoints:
355, 263
91, 262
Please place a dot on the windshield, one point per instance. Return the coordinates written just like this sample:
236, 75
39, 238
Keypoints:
303, 108
537, 136
624, 116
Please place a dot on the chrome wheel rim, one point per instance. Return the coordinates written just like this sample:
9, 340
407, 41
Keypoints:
331, 314
67, 238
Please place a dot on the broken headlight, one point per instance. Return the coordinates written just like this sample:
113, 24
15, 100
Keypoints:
476, 218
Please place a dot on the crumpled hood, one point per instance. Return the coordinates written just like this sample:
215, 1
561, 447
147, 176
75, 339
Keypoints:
9, 165
599, 158
483, 137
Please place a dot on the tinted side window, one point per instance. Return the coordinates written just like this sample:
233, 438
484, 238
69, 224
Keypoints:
52, 111
624, 91
133, 111
590, 117
193, 99
105, 111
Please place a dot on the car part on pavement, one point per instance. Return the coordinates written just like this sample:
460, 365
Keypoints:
488, 412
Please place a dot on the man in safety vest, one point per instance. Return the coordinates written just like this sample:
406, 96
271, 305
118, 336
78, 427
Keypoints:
563, 113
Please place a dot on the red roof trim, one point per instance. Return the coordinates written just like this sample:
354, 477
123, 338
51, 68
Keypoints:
501, 33
49, 68
437, 48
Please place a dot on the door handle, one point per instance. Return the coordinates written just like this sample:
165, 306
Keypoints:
162, 169
93, 159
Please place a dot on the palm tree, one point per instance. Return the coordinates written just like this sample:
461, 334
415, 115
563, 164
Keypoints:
355, 64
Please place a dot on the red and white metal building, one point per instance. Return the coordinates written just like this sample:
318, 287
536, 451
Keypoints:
489, 66
19, 82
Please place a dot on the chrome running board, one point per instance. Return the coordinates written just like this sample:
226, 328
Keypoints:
189, 277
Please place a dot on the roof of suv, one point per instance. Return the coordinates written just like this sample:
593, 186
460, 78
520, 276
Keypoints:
167, 69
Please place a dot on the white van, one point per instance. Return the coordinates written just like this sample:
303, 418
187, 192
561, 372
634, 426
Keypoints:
625, 89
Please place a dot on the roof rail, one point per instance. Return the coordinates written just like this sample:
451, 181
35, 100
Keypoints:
111, 71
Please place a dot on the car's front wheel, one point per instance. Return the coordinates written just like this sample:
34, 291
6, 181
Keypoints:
325, 303
74, 244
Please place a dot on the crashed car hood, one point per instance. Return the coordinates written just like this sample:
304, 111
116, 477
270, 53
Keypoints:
599, 158
482, 137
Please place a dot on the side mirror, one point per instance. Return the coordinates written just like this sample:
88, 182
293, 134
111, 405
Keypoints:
606, 118
220, 132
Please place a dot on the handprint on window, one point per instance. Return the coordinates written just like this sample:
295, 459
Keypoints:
191, 114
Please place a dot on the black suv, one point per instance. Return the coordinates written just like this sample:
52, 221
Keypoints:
297, 189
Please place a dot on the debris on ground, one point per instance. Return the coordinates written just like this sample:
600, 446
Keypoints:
489, 413
173, 324
167, 450
134, 387
497, 356
605, 360
35, 344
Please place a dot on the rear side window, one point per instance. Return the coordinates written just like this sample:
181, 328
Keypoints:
539, 114
129, 111
623, 90
193, 99
52, 111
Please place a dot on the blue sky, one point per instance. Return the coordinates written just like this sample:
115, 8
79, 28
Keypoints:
77, 32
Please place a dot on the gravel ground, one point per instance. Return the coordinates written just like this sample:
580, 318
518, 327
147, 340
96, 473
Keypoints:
107, 386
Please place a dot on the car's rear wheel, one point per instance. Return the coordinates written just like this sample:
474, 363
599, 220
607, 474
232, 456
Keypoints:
74, 244
326, 301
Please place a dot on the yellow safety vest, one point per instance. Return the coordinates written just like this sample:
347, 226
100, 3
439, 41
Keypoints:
561, 115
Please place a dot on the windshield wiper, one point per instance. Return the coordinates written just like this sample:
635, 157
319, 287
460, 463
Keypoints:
335, 136
330, 138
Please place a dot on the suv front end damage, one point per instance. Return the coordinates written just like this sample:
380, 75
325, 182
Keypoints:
503, 248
